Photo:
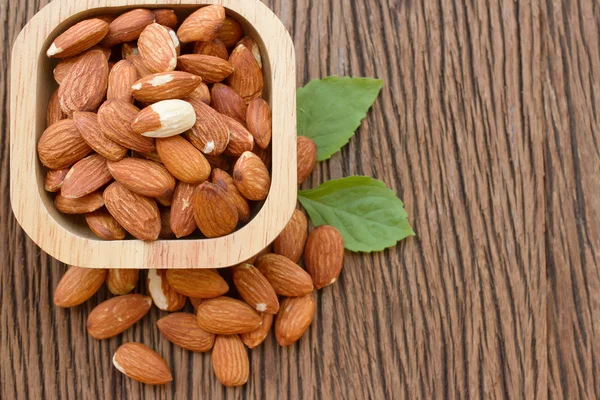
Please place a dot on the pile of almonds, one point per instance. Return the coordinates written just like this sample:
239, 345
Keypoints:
157, 129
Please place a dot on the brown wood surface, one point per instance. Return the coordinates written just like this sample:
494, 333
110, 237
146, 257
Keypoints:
488, 129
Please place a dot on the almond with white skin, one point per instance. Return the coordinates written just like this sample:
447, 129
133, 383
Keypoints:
175, 40
214, 48
128, 26
290, 242
166, 17
116, 314
182, 213
132, 54
84, 87
209, 134
182, 330
258, 120
164, 119
230, 360
121, 280
64, 65
286, 277
157, 48
115, 118
140, 362
202, 25
225, 181
183, 160
324, 255
165, 86
77, 285
54, 179
81, 205
144, 177
61, 145
163, 295
231, 32
120, 79
227, 316
255, 289
54, 113
139, 215
215, 213
210, 69
200, 283
294, 318
251, 45
200, 94
88, 126
104, 225
240, 140
247, 78
86, 176
165, 224
307, 157
78, 38
226, 101
256, 337
251, 177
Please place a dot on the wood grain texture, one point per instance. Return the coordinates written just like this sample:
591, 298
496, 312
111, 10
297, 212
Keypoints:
487, 129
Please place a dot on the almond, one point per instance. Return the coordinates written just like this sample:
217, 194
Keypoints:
90, 130
166, 17
164, 119
214, 48
175, 40
116, 314
163, 295
61, 145
82, 205
226, 101
182, 212
165, 200
294, 318
121, 280
227, 316
225, 181
253, 47
165, 86
230, 360
144, 177
251, 177
231, 32
265, 155
210, 69
182, 330
210, 134
240, 140
196, 301
201, 93
307, 157
78, 38
246, 78
139, 215
256, 337
324, 255
215, 213
120, 79
286, 277
77, 285
84, 87
140, 362
220, 162
183, 160
54, 179
152, 156
202, 25
85, 177
258, 120
128, 26
64, 65
115, 118
104, 225
157, 49
290, 242
255, 289
201, 283
132, 54
54, 113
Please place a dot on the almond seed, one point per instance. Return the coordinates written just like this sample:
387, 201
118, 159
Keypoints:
295, 317
200, 283
77, 285
139, 362
227, 316
104, 225
164, 119
182, 330
163, 294
215, 213
116, 314
230, 360
286, 277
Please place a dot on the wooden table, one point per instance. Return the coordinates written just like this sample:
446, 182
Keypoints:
488, 128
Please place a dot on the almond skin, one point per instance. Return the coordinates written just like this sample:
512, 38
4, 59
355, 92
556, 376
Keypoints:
210, 69
91, 132
226, 101
182, 330
78, 38
202, 25
121, 280
265, 155
200, 283
258, 120
290, 242
165, 86
54, 179
104, 225
251, 177
164, 119
54, 113
253, 47
140, 362
120, 79
247, 78
115, 118
256, 337
82, 205
231, 32
64, 65
166, 17
307, 157
157, 49
183, 160
215, 213
210, 134
295, 317
144, 177
85, 177
165, 224
225, 181
230, 360
324, 255
84, 87
77, 285
195, 303
286, 277
132, 54
214, 48
139, 215
240, 140
227, 316
61, 145
255, 289
182, 213
116, 314
201, 93
128, 26
163, 295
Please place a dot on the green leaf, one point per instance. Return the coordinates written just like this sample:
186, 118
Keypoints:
368, 214
331, 109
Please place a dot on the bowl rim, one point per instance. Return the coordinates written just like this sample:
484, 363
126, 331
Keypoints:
70, 248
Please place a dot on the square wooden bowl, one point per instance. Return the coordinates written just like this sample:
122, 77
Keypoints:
68, 239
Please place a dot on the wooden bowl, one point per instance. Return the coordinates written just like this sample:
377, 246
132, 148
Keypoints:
68, 238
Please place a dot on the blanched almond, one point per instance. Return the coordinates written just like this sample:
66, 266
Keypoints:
164, 119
